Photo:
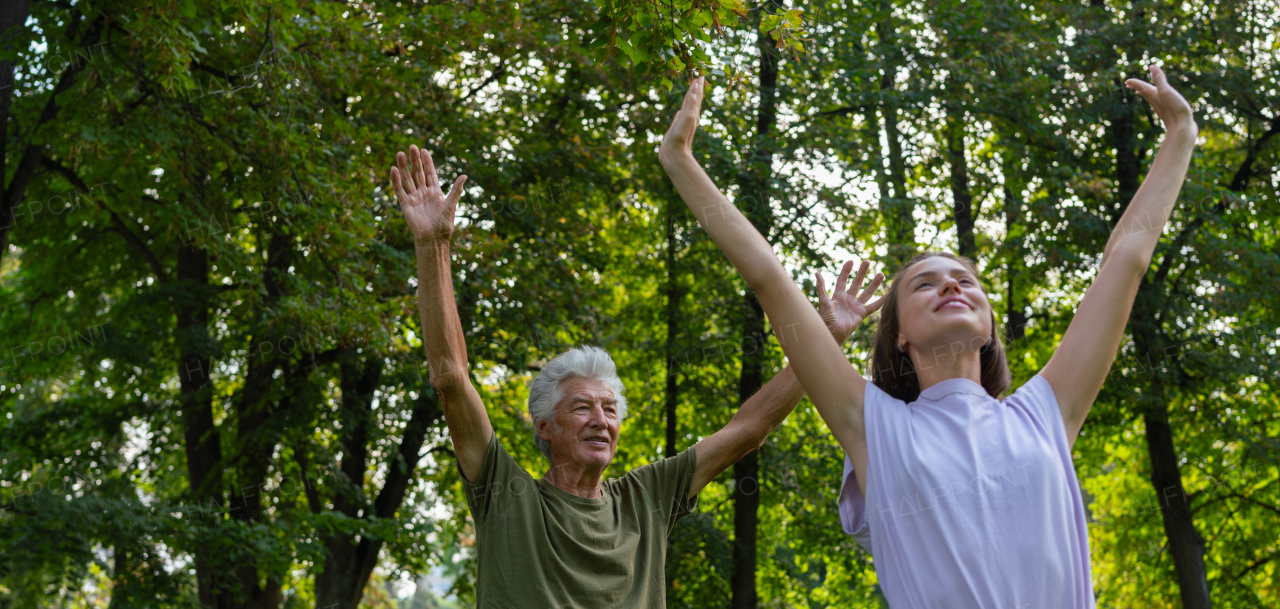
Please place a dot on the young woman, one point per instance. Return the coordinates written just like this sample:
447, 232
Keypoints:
970, 501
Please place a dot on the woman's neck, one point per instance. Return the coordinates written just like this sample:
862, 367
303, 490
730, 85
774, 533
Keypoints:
941, 365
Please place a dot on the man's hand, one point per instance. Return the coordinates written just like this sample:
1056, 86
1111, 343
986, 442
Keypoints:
427, 210
843, 311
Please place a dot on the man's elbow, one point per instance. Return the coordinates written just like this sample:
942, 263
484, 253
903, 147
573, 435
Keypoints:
451, 385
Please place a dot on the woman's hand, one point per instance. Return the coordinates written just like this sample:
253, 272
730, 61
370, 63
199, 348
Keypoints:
1173, 110
678, 141
843, 311
427, 210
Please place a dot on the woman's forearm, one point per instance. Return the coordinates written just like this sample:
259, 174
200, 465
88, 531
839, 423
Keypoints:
745, 247
1139, 228
815, 357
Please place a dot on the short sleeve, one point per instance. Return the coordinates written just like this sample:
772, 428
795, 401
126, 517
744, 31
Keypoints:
853, 508
499, 475
1036, 398
665, 485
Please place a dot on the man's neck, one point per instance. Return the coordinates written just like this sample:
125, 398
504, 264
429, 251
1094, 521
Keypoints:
575, 480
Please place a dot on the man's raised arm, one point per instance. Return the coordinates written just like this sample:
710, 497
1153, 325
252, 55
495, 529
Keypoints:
429, 213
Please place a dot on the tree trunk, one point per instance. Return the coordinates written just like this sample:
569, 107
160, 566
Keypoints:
13, 17
1015, 317
338, 585
201, 437
753, 190
1186, 546
961, 197
746, 472
15, 191
341, 582
895, 208
673, 319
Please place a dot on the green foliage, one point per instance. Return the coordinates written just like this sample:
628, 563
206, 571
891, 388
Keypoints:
261, 135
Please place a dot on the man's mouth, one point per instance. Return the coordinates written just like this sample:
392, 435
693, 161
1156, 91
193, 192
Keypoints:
597, 440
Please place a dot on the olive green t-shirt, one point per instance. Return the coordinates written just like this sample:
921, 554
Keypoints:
540, 546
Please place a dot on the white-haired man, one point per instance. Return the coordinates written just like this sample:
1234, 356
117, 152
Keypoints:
571, 539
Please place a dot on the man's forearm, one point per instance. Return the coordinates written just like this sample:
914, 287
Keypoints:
765, 411
441, 328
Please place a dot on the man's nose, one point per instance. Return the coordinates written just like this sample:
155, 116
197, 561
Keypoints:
597, 417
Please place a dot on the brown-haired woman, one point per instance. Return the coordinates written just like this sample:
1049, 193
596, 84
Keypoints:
970, 501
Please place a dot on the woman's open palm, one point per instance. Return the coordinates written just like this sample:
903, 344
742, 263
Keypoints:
427, 210
1170, 106
679, 136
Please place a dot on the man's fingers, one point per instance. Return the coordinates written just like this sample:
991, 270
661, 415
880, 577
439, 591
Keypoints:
844, 276
419, 175
822, 288
862, 275
455, 191
871, 289
875, 306
407, 176
395, 185
432, 179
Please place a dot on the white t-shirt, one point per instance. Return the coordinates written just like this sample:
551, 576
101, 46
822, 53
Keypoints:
973, 501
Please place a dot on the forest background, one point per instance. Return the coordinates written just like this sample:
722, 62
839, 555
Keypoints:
212, 385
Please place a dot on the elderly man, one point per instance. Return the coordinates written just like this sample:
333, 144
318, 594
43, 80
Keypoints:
571, 539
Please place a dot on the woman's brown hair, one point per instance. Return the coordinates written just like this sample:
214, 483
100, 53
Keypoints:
893, 372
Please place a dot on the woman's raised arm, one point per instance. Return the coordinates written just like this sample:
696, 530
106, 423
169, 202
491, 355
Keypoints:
1079, 366
832, 383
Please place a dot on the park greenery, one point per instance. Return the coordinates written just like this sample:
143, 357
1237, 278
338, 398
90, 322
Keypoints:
211, 378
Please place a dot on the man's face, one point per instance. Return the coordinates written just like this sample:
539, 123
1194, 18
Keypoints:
585, 429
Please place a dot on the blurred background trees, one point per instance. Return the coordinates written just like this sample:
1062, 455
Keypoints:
211, 378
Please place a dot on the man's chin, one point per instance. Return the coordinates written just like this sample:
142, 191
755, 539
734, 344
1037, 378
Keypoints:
596, 456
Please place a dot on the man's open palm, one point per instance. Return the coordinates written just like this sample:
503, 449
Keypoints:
844, 310
426, 208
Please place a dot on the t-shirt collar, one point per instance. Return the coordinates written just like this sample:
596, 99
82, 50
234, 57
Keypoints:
949, 386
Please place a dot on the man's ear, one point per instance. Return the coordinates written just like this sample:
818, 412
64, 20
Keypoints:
544, 430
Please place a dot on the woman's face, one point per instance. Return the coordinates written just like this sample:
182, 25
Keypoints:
942, 310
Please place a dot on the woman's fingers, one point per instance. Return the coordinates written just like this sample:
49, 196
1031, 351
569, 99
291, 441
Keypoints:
1157, 76
1141, 87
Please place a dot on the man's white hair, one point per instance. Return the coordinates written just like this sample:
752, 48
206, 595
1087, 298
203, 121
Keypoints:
582, 362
